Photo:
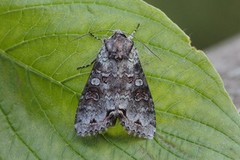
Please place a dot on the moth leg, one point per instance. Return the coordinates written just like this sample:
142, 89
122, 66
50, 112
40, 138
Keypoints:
97, 38
87, 65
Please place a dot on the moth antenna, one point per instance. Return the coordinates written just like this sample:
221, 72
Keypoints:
134, 32
131, 36
150, 50
92, 34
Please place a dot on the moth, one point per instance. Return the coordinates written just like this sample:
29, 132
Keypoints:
116, 89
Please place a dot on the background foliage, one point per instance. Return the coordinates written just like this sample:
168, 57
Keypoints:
207, 22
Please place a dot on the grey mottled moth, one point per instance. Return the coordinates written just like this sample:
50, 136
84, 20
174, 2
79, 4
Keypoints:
116, 88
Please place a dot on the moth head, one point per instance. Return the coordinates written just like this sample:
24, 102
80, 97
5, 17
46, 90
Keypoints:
118, 46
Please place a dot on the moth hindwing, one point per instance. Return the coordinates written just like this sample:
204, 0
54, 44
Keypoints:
116, 88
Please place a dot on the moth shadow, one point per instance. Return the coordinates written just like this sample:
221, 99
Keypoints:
123, 138
109, 138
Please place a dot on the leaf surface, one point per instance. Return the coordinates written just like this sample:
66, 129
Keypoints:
43, 42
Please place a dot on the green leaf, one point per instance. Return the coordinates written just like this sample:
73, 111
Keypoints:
41, 45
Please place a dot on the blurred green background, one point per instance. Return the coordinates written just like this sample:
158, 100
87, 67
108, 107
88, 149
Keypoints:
207, 22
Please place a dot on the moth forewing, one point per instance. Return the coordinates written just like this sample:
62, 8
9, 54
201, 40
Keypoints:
116, 88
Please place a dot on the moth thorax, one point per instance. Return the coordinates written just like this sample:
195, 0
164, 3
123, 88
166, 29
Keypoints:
118, 46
